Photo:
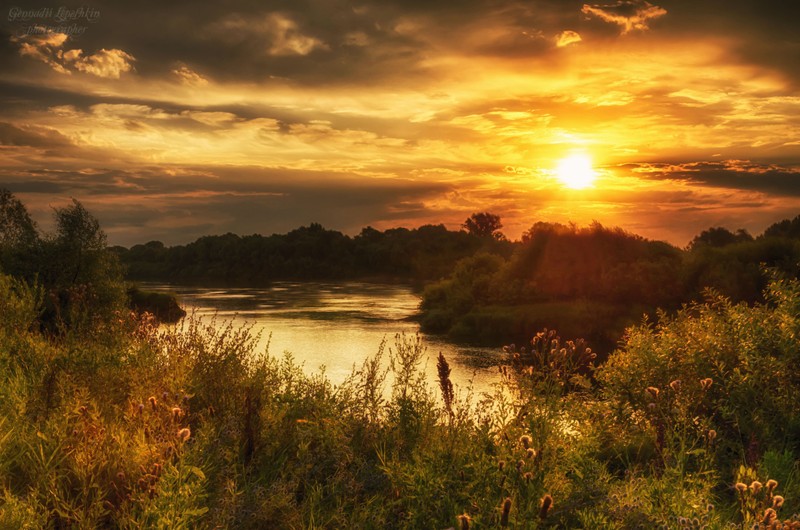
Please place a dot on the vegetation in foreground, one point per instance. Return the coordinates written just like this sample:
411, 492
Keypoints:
692, 423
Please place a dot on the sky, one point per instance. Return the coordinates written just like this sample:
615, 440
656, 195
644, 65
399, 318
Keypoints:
173, 120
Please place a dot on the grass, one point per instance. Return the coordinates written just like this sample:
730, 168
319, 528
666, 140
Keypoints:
122, 424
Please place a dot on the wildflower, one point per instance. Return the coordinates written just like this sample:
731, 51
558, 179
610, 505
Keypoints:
777, 501
184, 434
675, 385
525, 441
176, 414
528, 476
771, 485
464, 521
741, 487
706, 383
153, 402
547, 503
652, 391
651, 406
530, 453
756, 486
506, 512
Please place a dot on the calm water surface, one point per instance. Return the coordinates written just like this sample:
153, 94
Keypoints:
335, 325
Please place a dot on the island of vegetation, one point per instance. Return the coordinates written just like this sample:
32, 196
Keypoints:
108, 420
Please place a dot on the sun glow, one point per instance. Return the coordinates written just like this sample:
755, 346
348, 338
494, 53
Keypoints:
576, 172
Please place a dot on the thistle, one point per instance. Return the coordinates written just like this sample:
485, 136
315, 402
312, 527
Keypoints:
547, 503
506, 512
771, 485
777, 501
184, 434
525, 441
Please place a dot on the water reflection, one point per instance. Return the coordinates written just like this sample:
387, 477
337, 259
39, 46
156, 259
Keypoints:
335, 325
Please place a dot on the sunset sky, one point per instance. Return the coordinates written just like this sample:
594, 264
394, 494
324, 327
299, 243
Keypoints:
172, 120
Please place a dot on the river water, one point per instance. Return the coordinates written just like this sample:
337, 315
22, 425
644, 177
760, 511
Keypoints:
336, 326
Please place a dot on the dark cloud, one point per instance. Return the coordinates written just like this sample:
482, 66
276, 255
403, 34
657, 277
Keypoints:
732, 174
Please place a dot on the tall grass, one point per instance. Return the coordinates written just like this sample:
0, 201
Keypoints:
123, 424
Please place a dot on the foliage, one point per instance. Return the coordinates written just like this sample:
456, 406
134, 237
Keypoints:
131, 425
484, 224
312, 252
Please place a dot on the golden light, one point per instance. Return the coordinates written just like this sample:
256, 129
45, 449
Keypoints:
576, 172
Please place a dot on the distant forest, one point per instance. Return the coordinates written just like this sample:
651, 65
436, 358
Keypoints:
480, 287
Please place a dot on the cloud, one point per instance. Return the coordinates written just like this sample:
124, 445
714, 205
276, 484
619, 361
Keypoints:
771, 179
567, 37
47, 47
628, 14
187, 76
105, 63
282, 34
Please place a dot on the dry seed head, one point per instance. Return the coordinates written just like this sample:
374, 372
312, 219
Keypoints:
756, 486
530, 453
501, 465
771, 485
184, 434
652, 392
741, 487
712, 435
153, 402
140, 408
506, 512
769, 516
706, 383
525, 441
547, 503
176, 414
675, 385
528, 476
520, 463
463, 521
777, 501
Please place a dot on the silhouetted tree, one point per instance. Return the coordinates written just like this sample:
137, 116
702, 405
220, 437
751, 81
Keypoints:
18, 237
718, 237
484, 224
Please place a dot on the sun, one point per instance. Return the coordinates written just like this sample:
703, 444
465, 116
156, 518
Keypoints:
576, 172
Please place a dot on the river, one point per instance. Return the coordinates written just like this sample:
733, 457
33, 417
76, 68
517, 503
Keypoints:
335, 325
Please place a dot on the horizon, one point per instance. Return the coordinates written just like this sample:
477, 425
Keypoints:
174, 122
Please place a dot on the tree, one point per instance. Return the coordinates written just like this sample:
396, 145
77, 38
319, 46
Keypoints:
484, 224
77, 266
719, 237
18, 236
